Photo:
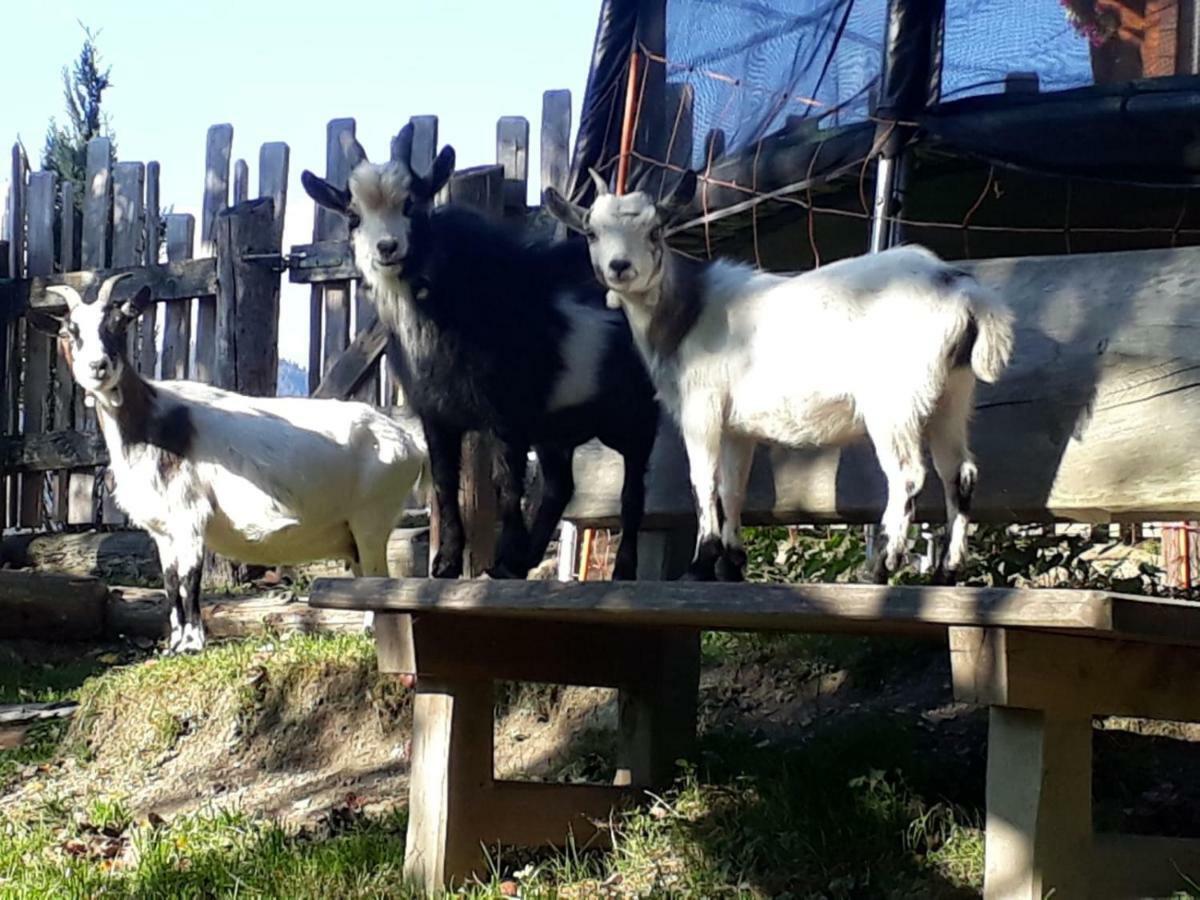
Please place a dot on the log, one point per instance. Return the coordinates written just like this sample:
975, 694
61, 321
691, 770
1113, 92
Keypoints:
124, 555
42, 606
1097, 419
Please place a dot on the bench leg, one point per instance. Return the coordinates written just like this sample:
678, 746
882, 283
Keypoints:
451, 771
1039, 805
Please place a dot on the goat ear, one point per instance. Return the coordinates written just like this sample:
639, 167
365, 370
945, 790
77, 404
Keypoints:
564, 210
673, 208
354, 151
137, 304
440, 171
324, 193
402, 144
599, 182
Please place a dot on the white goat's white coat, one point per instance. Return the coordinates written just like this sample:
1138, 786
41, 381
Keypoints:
873, 344
262, 480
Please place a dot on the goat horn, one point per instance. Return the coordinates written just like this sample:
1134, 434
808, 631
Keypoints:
69, 295
598, 180
106, 289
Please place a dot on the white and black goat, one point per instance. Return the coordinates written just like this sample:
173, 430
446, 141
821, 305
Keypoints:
888, 344
266, 480
491, 335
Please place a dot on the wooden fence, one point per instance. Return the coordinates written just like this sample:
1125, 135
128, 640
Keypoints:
220, 310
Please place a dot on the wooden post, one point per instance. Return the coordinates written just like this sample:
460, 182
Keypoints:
483, 188
424, 143
247, 299
512, 152
273, 159
1039, 805
556, 139
148, 363
177, 317
93, 254
68, 401
331, 299
39, 348
129, 185
218, 149
16, 326
452, 748
657, 713
241, 181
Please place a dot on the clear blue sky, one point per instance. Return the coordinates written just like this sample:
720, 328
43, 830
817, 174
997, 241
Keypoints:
280, 70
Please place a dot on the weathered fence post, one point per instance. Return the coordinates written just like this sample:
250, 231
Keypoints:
216, 197
39, 348
66, 397
512, 152
14, 332
147, 363
93, 254
177, 317
333, 297
247, 332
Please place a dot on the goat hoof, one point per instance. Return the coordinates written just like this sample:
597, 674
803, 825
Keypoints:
731, 567
699, 574
622, 573
445, 568
944, 577
502, 572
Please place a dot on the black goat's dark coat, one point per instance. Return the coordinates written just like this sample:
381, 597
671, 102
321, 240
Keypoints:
481, 349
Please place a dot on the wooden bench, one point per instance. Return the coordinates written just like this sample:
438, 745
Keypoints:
1097, 420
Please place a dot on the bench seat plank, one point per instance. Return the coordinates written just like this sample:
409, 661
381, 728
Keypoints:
848, 608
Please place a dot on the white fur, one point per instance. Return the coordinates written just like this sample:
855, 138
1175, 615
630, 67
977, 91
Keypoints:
583, 352
266, 480
864, 345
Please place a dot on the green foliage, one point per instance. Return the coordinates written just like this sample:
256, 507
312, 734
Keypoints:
777, 554
84, 84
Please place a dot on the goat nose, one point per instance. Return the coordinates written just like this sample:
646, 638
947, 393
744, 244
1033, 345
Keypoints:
386, 246
100, 368
620, 266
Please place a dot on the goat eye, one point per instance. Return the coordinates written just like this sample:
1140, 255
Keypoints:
656, 235
353, 220
590, 235
408, 206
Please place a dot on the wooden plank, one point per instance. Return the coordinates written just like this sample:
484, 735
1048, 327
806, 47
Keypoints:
128, 232
335, 302
1070, 674
53, 450
1038, 840
273, 161
148, 362
321, 261
1096, 420
13, 332
545, 652
247, 299
241, 182
512, 152
365, 318
556, 139
353, 366
40, 349
858, 608
94, 253
177, 317
68, 400
218, 149
172, 281
37, 605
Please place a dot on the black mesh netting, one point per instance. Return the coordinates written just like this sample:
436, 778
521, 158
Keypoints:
754, 68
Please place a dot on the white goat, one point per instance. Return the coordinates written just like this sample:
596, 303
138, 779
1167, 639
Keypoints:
888, 344
258, 479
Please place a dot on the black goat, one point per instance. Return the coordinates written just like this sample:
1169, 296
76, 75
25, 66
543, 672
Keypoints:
491, 335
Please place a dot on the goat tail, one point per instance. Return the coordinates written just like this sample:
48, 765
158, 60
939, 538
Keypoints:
994, 338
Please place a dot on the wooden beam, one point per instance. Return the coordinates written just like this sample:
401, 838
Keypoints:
1072, 674
171, 281
321, 261
860, 608
1096, 420
51, 450
355, 363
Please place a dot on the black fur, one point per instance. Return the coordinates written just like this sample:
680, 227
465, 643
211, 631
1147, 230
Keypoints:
480, 350
673, 318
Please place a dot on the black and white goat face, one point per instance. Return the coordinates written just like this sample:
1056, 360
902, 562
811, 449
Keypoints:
380, 204
626, 234
93, 336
